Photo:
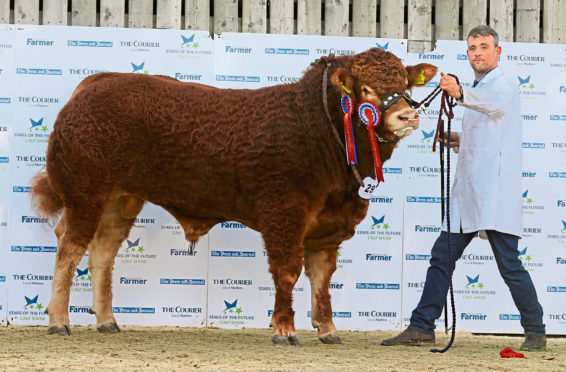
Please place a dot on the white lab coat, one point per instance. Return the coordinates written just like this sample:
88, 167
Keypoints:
486, 193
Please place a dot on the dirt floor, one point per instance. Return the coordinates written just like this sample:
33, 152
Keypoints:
213, 349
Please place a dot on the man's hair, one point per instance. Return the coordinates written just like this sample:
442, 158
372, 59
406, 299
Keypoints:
483, 30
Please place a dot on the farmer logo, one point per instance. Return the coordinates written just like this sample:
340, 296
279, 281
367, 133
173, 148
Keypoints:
38, 42
381, 199
139, 69
529, 207
134, 253
383, 47
468, 316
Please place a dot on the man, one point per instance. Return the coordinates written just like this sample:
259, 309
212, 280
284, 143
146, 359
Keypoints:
486, 194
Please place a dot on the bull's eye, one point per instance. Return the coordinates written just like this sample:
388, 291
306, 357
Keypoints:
366, 90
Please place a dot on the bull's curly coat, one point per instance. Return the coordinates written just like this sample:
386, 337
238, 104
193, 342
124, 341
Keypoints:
265, 157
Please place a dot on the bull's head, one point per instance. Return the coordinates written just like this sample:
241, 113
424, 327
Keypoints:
375, 75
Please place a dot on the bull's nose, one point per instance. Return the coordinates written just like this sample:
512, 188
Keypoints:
410, 118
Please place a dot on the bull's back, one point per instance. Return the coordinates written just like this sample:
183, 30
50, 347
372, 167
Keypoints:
174, 143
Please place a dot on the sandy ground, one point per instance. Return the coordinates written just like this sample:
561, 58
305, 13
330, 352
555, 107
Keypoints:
213, 349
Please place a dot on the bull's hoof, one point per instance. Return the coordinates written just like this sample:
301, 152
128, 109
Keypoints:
282, 340
331, 338
63, 330
294, 340
91, 311
314, 325
108, 328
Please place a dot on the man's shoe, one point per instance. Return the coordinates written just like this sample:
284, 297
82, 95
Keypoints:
409, 337
534, 343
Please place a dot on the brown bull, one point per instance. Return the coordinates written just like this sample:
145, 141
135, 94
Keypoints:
266, 158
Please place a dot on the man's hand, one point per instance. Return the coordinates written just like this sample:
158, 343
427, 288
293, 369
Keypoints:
454, 139
449, 85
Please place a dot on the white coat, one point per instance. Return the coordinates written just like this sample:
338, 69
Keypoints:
486, 193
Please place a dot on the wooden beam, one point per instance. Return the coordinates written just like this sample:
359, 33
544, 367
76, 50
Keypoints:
168, 14
254, 16
83, 13
446, 20
281, 17
554, 22
392, 19
501, 18
474, 13
419, 33
225, 16
197, 15
528, 21
26, 11
309, 17
112, 13
55, 12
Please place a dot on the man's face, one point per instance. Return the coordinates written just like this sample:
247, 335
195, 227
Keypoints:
482, 53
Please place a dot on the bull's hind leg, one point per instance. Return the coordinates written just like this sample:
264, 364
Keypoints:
75, 232
319, 267
283, 242
115, 225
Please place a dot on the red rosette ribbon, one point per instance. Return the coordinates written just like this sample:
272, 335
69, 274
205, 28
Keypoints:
351, 157
371, 117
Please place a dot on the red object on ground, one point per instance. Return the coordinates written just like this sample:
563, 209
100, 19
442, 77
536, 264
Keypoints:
510, 353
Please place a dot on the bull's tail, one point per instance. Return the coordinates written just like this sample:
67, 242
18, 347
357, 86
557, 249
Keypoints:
43, 199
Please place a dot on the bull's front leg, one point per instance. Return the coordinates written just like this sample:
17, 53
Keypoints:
319, 266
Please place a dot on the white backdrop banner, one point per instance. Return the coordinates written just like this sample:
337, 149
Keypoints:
380, 271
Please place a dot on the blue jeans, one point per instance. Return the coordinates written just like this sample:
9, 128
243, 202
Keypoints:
505, 250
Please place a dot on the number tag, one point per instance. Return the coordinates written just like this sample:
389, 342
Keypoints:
368, 188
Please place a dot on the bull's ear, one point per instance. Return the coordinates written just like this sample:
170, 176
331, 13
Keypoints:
343, 81
420, 74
